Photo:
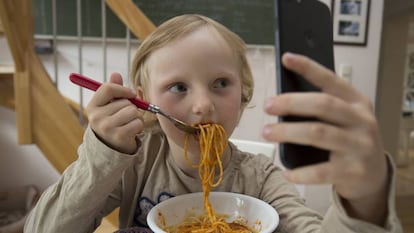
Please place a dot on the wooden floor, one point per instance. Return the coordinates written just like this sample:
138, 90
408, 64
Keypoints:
106, 227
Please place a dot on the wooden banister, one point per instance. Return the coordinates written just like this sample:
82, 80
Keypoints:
17, 19
43, 117
22, 95
132, 17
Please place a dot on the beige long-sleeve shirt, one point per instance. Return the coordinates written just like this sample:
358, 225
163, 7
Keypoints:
103, 179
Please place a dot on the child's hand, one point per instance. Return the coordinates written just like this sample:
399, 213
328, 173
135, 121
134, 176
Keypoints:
357, 166
113, 118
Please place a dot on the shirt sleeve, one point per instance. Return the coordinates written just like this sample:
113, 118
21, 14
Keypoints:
295, 216
87, 190
337, 220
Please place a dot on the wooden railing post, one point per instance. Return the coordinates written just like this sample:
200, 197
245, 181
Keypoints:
19, 32
132, 17
22, 95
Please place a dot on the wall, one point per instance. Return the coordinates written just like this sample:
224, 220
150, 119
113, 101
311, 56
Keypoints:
21, 165
363, 60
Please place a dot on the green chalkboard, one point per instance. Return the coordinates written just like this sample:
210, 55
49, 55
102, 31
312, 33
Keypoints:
251, 19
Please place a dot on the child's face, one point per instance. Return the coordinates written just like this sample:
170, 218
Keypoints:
197, 80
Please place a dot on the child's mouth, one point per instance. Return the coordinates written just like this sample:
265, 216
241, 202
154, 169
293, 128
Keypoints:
196, 136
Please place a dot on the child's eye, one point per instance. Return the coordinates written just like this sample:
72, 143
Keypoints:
221, 83
178, 87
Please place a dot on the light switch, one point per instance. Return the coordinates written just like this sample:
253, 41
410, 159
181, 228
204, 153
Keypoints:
345, 72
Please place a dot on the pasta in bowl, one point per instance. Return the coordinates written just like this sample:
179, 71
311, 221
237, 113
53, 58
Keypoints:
243, 213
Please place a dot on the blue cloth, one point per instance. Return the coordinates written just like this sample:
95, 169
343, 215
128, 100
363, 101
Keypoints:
134, 230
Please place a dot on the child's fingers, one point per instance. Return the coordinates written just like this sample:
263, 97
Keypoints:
116, 124
132, 127
114, 119
121, 134
116, 78
107, 92
103, 120
125, 115
109, 109
320, 76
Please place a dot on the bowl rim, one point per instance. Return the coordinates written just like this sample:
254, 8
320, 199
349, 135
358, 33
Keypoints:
153, 212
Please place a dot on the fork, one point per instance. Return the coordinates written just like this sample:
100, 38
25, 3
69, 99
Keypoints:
93, 85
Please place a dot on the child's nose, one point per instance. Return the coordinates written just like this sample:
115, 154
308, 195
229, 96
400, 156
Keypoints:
202, 104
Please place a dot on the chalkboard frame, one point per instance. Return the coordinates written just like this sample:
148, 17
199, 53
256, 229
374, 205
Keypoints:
252, 20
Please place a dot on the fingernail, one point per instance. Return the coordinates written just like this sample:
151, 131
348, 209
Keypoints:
285, 173
268, 103
289, 56
267, 130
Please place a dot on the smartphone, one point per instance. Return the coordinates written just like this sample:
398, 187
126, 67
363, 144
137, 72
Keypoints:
303, 27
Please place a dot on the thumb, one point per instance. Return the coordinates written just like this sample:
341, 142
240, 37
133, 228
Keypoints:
116, 78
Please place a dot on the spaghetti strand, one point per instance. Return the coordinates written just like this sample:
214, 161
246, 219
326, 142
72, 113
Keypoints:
213, 141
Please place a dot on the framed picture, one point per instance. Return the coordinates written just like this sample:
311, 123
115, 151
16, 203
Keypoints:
350, 21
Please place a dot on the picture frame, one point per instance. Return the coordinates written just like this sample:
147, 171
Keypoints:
350, 20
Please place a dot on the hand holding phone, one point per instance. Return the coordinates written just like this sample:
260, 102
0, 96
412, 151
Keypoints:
303, 27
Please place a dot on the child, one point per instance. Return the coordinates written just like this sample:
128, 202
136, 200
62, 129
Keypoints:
196, 70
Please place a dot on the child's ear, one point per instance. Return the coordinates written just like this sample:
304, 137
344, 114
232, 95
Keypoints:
140, 92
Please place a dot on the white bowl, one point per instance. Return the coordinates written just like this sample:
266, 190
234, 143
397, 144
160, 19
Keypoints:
234, 205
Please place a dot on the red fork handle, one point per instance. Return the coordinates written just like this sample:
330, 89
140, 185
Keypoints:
93, 85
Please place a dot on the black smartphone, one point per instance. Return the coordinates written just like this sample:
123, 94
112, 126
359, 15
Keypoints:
303, 27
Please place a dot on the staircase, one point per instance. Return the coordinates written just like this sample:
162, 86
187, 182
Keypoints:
44, 117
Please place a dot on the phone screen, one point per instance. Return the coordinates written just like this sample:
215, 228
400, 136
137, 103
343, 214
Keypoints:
303, 27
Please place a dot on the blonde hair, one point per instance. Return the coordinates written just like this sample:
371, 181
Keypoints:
178, 27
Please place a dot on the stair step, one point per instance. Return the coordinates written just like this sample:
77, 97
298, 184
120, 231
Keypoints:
6, 71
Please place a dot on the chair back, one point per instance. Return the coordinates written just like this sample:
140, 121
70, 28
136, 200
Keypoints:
268, 149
